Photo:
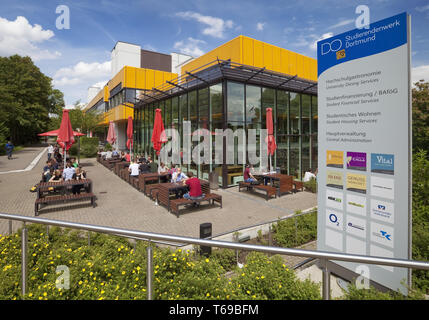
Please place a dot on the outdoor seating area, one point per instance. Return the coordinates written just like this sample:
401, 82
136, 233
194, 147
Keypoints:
272, 185
154, 186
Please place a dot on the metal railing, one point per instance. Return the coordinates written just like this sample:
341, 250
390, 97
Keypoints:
149, 236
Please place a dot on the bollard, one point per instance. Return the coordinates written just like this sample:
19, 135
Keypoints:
149, 272
24, 251
205, 232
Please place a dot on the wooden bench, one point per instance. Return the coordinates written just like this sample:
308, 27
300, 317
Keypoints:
298, 185
269, 190
151, 190
62, 199
211, 198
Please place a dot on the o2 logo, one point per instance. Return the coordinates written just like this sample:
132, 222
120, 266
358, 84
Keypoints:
332, 46
334, 219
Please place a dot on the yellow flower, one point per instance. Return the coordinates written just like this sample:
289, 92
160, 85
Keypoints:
83, 269
45, 294
30, 294
208, 294
207, 260
123, 272
262, 277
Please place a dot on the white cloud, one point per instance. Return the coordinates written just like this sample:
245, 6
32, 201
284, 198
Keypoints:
20, 37
341, 23
260, 26
420, 73
215, 26
422, 9
82, 72
313, 45
190, 46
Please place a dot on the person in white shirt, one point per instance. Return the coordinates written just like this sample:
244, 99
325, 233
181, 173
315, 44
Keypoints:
308, 176
108, 155
134, 169
50, 151
162, 168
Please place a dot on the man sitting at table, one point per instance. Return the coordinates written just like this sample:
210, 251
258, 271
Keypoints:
247, 175
68, 171
144, 167
194, 185
178, 176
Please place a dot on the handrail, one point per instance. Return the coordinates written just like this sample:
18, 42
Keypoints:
323, 255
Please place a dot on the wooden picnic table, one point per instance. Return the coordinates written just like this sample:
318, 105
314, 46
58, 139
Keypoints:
165, 190
283, 182
145, 178
45, 197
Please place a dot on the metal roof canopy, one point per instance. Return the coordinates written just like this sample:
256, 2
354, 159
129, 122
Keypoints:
226, 69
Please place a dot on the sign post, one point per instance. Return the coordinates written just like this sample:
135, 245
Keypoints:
364, 180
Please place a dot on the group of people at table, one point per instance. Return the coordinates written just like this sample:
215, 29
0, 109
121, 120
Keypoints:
143, 165
72, 171
140, 165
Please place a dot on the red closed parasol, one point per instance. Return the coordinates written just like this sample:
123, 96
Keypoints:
158, 134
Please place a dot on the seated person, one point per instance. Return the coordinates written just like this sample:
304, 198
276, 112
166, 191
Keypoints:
109, 154
127, 157
74, 163
68, 172
194, 185
57, 177
79, 175
308, 176
153, 166
247, 175
115, 153
134, 169
162, 168
178, 176
144, 167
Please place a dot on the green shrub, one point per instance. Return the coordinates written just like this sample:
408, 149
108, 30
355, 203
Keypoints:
354, 293
420, 218
110, 268
311, 185
89, 146
296, 231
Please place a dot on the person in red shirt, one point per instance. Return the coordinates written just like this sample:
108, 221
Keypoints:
128, 157
194, 187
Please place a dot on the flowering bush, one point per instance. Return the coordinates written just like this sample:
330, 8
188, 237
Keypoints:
111, 268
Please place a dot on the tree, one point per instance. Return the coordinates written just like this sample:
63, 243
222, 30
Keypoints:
27, 98
84, 120
420, 99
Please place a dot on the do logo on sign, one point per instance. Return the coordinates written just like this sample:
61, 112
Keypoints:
332, 46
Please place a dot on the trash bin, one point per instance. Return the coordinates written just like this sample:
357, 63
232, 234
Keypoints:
205, 232
214, 180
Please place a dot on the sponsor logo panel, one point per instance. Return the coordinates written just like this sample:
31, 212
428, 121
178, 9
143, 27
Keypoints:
334, 219
383, 163
382, 210
334, 199
382, 234
356, 161
356, 183
382, 187
356, 226
356, 204
334, 159
334, 179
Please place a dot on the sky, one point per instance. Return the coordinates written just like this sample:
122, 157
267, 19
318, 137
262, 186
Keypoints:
78, 56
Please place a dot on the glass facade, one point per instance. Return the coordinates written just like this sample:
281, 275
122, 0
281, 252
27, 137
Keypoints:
234, 105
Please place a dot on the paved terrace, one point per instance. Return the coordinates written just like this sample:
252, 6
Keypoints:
120, 205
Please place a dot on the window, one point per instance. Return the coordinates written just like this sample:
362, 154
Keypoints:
216, 102
268, 101
282, 111
294, 113
305, 114
253, 104
203, 107
235, 102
